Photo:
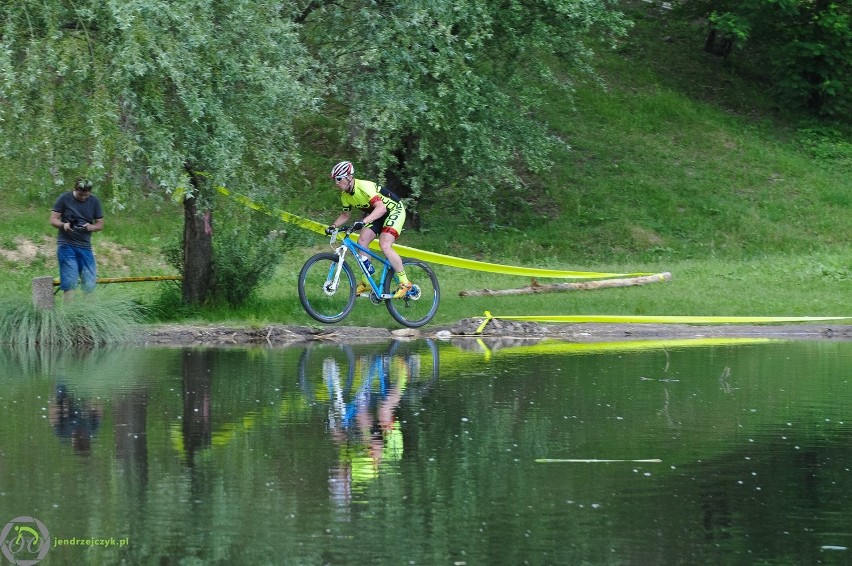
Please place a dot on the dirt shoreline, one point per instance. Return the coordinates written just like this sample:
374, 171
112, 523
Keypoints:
285, 335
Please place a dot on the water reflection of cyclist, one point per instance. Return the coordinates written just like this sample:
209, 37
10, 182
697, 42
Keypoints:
366, 428
380, 431
75, 419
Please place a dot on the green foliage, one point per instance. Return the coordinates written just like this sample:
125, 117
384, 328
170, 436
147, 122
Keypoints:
135, 92
734, 28
88, 320
165, 96
187, 96
678, 159
441, 95
246, 250
168, 303
807, 45
243, 259
828, 146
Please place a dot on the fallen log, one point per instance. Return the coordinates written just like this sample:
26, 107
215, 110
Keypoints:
536, 287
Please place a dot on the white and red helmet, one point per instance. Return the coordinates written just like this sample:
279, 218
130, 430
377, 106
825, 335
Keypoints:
342, 169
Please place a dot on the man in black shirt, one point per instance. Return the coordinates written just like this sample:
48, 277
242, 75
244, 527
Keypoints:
76, 214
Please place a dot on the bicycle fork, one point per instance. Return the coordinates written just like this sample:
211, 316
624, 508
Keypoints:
332, 282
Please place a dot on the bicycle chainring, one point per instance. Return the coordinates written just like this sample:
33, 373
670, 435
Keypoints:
414, 293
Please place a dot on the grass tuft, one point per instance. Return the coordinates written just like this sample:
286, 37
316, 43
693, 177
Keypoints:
87, 321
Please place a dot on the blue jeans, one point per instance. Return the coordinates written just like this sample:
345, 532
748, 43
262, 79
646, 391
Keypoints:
76, 263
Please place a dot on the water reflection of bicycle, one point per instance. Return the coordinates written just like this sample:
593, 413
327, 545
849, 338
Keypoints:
333, 375
362, 396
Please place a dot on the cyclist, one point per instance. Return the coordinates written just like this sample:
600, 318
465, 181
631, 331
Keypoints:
384, 216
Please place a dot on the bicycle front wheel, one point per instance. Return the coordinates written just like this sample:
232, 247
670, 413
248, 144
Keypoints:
317, 293
421, 303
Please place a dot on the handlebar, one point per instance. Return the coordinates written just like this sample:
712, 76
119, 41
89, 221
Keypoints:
345, 230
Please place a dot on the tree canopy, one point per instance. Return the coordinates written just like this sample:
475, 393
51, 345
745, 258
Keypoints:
174, 96
441, 95
182, 96
139, 92
436, 92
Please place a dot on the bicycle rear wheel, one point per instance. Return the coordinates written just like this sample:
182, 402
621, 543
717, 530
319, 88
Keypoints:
421, 364
421, 303
319, 300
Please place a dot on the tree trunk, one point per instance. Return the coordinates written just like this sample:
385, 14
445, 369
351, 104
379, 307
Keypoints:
197, 250
718, 44
396, 180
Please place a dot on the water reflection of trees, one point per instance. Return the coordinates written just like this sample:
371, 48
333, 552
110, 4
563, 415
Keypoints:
784, 494
130, 417
197, 367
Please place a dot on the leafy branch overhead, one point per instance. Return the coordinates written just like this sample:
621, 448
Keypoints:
143, 92
442, 96
135, 91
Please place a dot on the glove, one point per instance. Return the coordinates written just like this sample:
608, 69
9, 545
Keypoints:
357, 225
330, 230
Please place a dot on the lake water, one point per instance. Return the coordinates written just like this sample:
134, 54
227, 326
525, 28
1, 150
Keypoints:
685, 452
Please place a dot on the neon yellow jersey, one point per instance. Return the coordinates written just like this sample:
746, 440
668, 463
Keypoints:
365, 195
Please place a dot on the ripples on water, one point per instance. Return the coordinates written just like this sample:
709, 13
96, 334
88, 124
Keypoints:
421, 452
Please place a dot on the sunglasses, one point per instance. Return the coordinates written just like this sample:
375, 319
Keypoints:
339, 177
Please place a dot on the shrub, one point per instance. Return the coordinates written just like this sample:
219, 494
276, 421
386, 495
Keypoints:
245, 254
88, 320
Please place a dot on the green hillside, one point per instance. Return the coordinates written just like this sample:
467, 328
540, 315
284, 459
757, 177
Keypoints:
682, 162
680, 157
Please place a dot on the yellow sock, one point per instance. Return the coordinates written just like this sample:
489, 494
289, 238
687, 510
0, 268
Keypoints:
403, 278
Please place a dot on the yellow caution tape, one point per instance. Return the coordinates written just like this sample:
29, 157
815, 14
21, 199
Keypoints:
481, 327
506, 269
641, 319
593, 460
431, 257
285, 216
559, 347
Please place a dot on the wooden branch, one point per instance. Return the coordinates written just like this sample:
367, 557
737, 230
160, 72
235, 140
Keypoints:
536, 287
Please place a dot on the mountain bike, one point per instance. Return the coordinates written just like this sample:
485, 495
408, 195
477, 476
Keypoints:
327, 285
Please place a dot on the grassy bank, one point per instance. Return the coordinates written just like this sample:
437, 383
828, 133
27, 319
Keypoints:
683, 164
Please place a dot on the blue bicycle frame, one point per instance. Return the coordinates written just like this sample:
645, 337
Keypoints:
327, 284
355, 248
